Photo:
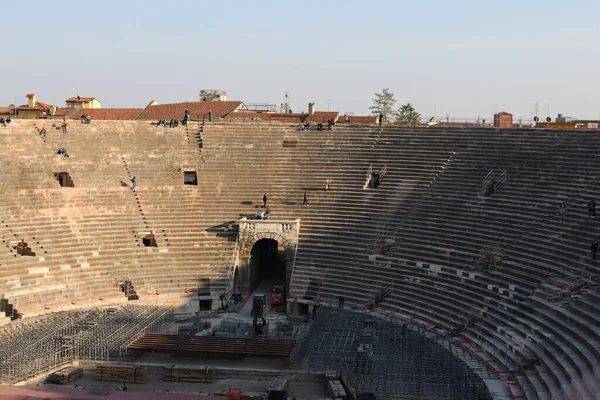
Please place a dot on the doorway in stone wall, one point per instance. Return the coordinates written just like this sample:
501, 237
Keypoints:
64, 179
149, 240
190, 178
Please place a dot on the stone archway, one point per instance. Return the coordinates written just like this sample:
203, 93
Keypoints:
284, 233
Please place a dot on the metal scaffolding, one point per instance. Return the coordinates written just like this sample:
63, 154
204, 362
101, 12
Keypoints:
30, 347
385, 357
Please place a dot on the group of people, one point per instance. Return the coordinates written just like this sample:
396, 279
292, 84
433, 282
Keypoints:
5, 121
86, 119
62, 151
304, 127
266, 211
43, 132
64, 125
265, 199
171, 124
187, 117
263, 214
307, 127
591, 209
330, 124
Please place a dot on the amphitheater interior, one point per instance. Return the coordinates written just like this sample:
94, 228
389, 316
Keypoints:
430, 235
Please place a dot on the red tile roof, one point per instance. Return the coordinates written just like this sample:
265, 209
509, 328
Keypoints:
4, 110
38, 106
109, 113
80, 99
322, 116
358, 119
457, 124
276, 117
62, 111
198, 110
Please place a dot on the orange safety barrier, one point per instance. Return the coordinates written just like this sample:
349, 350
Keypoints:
234, 394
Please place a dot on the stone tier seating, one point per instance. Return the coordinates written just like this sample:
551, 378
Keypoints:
458, 261
442, 227
88, 238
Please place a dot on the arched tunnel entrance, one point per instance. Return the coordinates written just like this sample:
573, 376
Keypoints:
267, 266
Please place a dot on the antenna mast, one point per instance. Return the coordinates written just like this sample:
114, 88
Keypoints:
285, 107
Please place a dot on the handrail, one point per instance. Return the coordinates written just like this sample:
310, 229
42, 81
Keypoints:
231, 272
382, 172
295, 256
368, 177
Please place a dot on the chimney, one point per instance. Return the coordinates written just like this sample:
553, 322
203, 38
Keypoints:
31, 100
311, 108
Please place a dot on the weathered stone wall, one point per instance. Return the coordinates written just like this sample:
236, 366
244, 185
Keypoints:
251, 231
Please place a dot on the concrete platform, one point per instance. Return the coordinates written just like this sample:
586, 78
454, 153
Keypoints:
252, 382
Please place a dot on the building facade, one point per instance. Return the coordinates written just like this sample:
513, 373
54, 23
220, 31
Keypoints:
503, 120
83, 102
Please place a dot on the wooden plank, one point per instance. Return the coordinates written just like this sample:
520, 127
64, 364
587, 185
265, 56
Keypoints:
202, 375
65, 375
213, 346
121, 373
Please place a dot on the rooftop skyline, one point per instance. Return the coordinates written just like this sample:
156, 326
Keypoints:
464, 59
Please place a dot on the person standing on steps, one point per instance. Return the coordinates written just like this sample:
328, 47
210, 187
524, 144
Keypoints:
133, 183
562, 212
305, 202
265, 198
341, 302
327, 183
380, 120
594, 248
592, 209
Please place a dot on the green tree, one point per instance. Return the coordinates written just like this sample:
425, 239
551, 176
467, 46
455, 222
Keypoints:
383, 103
407, 115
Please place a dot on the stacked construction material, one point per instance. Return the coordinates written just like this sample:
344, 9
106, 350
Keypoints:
65, 375
236, 348
121, 373
199, 374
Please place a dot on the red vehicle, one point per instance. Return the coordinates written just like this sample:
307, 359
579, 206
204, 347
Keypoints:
278, 294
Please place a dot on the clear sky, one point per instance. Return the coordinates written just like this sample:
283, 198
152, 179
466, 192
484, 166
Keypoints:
463, 58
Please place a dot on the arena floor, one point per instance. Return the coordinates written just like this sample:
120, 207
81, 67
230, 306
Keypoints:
375, 355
